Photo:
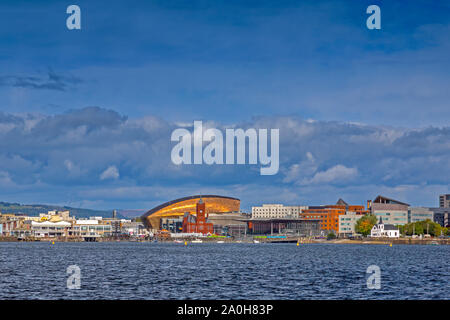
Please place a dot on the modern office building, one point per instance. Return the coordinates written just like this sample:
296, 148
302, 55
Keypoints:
277, 211
419, 214
390, 210
444, 201
347, 223
231, 224
285, 226
90, 229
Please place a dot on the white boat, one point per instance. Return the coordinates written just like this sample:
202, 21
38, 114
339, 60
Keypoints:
220, 241
256, 241
177, 241
197, 241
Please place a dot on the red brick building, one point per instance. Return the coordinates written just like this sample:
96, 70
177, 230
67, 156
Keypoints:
198, 223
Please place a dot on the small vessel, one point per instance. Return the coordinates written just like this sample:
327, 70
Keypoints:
177, 241
256, 241
220, 241
197, 241
434, 243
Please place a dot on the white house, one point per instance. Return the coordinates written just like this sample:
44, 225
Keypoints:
384, 230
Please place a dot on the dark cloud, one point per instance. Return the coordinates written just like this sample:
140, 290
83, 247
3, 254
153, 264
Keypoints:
49, 81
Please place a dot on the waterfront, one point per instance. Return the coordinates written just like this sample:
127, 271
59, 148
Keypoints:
126, 270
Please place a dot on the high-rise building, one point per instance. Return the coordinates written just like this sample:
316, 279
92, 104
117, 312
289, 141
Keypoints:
441, 216
444, 201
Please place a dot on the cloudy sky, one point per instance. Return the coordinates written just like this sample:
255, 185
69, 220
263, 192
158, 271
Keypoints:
86, 115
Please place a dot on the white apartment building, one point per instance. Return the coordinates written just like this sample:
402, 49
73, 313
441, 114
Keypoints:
273, 211
419, 214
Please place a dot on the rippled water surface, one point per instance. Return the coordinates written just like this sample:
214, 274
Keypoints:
222, 271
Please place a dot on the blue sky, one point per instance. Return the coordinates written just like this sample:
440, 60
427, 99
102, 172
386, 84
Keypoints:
361, 112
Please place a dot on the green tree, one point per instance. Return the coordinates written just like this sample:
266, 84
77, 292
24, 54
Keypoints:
420, 227
365, 223
434, 228
446, 231
402, 229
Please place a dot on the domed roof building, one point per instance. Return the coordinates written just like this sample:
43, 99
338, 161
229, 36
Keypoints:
177, 208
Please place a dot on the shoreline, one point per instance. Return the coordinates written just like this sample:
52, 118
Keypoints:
300, 241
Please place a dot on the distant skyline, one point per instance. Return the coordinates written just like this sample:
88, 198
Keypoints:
86, 115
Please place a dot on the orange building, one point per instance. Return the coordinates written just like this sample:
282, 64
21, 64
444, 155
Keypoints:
328, 215
198, 223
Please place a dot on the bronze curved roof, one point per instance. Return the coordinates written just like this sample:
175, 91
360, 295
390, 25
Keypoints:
216, 204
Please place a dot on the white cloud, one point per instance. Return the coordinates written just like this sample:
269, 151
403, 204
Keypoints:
299, 171
111, 173
69, 164
338, 173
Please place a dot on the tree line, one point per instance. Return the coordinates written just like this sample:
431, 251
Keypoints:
365, 224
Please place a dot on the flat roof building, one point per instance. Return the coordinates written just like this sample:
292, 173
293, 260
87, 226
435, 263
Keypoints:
285, 226
347, 223
419, 214
273, 211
